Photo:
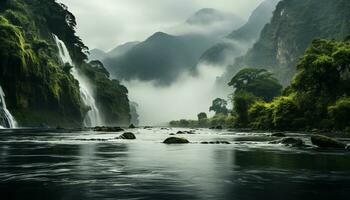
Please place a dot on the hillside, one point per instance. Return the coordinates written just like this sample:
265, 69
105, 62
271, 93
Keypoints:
240, 40
293, 27
40, 88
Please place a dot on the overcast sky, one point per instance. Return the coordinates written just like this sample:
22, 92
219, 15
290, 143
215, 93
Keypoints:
105, 24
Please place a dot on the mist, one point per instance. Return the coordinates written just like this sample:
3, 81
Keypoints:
184, 99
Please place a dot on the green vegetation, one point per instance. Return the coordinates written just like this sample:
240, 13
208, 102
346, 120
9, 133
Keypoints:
39, 88
219, 106
318, 97
294, 25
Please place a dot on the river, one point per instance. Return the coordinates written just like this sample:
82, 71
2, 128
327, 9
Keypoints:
87, 165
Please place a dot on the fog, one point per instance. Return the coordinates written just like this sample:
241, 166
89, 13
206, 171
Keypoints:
184, 99
104, 24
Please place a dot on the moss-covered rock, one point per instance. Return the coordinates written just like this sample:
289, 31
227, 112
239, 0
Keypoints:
127, 136
327, 142
176, 140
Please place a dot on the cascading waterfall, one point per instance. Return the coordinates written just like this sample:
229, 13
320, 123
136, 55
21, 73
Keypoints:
93, 117
6, 119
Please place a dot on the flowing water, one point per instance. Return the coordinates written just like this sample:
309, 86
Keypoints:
93, 117
44, 164
6, 119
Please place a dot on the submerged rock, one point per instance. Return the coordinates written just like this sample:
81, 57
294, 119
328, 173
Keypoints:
289, 141
278, 135
216, 142
108, 129
255, 139
132, 126
127, 136
176, 140
327, 142
185, 132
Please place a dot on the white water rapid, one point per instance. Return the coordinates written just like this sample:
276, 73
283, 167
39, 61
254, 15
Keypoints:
93, 117
6, 119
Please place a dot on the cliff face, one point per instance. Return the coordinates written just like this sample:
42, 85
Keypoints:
240, 40
39, 88
293, 26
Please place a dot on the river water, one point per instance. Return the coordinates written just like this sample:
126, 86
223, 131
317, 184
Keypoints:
87, 165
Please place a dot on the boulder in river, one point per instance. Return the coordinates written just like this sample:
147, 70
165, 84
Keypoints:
108, 129
127, 136
176, 140
327, 142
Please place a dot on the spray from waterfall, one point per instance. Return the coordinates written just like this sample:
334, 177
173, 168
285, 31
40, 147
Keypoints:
93, 117
6, 119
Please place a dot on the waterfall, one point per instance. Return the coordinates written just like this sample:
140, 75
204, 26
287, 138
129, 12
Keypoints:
93, 117
6, 119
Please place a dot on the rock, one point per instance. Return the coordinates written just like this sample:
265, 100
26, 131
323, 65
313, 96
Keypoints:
132, 126
127, 136
278, 135
292, 141
219, 127
289, 141
172, 134
108, 129
216, 142
327, 142
176, 140
253, 138
148, 127
180, 132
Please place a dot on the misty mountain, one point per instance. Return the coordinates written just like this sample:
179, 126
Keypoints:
163, 57
293, 26
98, 54
208, 21
238, 41
160, 58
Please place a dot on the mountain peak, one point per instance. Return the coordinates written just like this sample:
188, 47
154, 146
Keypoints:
207, 16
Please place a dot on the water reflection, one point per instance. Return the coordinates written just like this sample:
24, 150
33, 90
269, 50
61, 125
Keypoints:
63, 166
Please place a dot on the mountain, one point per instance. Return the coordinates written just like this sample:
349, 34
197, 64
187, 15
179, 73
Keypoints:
40, 88
163, 57
293, 27
97, 54
209, 22
238, 41
160, 58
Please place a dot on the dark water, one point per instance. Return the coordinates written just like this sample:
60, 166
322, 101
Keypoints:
86, 165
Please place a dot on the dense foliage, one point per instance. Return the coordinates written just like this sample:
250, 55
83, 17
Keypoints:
317, 96
258, 82
294, 25
39, 87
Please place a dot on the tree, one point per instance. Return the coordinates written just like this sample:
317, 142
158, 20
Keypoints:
258, 82
241, 104
219, 106
202, 116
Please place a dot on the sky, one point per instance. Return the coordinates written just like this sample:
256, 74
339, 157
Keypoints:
105, 24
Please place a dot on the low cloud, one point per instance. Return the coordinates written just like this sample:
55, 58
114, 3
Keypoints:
106, 23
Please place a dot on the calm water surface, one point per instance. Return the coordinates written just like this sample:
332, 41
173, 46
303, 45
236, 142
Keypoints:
87, 165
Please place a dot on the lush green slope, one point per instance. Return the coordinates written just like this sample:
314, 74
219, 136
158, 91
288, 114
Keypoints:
39, 87
294, 25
